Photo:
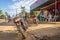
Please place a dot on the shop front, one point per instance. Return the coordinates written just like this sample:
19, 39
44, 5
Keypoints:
48, 7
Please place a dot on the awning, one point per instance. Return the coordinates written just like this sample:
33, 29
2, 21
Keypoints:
37, 3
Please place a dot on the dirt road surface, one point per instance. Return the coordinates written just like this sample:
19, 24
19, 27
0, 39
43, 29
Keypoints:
44, 31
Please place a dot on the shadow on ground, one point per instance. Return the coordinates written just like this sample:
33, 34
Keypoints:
10, 36
46, 33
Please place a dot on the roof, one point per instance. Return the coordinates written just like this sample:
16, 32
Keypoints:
37, 3
47, 2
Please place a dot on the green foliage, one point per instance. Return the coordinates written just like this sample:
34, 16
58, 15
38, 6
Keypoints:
1, 13
31, 13
22, 12
6, 13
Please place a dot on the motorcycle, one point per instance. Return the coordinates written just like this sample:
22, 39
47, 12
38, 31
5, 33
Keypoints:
21, 25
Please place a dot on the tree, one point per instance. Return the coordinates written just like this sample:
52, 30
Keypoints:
6, 13
5, 16
1, 13
22, 11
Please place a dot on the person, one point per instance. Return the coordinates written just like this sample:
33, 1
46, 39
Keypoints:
26, 17
35, 19
55, 18
40, 16
5, 18
9, 18
49, 17
46, 15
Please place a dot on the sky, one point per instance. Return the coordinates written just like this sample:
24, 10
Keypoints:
11, 5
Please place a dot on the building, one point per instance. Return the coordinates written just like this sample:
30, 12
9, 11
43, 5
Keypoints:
47, 6
44, 5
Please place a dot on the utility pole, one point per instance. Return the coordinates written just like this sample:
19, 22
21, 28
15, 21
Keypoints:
55, 6
16, 12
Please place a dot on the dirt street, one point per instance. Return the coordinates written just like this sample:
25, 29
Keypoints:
35, 32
